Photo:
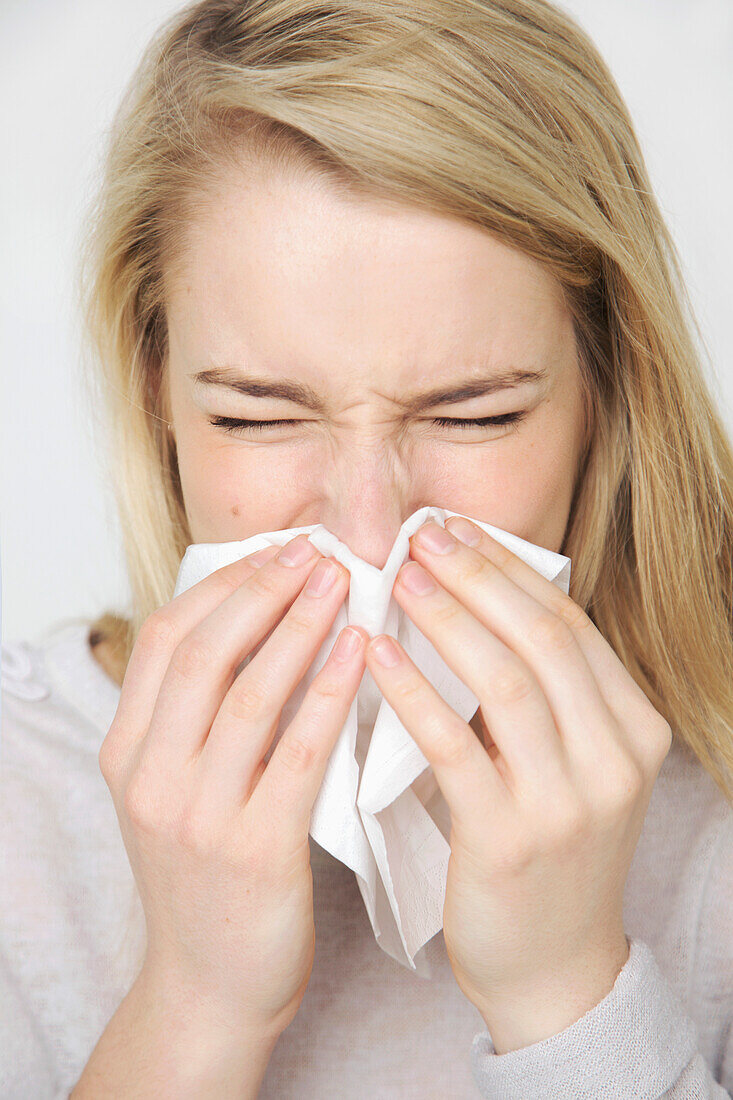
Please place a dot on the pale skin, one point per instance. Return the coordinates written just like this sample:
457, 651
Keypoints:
368, 304
286, 280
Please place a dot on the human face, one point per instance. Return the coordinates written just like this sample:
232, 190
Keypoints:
365, 304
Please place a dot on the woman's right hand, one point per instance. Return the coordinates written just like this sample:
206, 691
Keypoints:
217, 838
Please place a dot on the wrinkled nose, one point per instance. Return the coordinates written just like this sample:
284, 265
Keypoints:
367, 515
370, 534
370, 485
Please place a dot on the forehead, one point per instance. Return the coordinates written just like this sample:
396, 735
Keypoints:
290, 270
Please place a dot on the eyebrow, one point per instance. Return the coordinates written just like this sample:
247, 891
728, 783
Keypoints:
289, 389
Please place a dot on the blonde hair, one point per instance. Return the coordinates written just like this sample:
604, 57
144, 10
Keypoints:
497, 111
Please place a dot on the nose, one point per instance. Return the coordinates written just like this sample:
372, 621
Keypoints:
366, 505
368, 532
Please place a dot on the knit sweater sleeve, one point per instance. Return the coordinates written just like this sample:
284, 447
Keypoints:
639, 1040
27, 1064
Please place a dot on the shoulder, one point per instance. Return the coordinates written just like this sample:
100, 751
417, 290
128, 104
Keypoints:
679, 895
57, 705
686, 802
21, 671
714, 956
67, 884
683, 839
54, 692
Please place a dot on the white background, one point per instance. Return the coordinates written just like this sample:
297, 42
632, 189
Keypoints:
63, 66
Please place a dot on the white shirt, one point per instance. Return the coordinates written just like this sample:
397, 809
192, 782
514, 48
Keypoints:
367, 1027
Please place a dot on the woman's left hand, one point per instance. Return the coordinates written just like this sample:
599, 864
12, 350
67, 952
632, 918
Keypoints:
547, 812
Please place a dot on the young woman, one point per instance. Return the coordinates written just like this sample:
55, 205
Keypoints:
347, 261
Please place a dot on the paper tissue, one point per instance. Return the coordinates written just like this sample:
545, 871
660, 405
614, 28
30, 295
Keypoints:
380, 810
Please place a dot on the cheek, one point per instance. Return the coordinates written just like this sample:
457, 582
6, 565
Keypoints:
521, 484
232, 491
543, 478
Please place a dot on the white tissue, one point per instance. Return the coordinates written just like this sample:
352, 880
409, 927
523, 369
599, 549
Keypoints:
380, 810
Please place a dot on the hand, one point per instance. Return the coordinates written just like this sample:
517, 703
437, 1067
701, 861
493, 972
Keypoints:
547, 797
217, 838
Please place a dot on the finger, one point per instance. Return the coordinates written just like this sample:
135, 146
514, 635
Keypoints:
513, 702
202, 666
284, 796
622, 694
472, 593
245, 724
468, 778
159, 636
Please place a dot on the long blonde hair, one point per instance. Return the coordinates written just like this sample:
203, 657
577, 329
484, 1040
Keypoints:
497, 111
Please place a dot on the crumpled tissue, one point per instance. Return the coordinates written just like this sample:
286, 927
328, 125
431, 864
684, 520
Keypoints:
380, 810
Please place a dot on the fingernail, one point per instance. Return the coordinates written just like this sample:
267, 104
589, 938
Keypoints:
415, 579
261, 556
347, 644
298, 551
322, 578
435, 538
465, 531
385, 652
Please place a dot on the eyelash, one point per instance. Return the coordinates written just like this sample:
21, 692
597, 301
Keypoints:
231, 424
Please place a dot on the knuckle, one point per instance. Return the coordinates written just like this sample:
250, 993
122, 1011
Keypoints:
195, 833
478, 567
267, 585
623, 786
409, 689
447, 612
299, 624
570, 825
503, 558
158, 632
296, 753
452, 747
573, 614
512, 683
110, 758
226, 585
325, 687
662, 740
248, 698
629, 784
511, 856
193, 655
139, 806
548, 633
228, 579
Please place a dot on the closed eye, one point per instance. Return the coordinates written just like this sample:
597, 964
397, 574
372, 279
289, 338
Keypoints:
232, 424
